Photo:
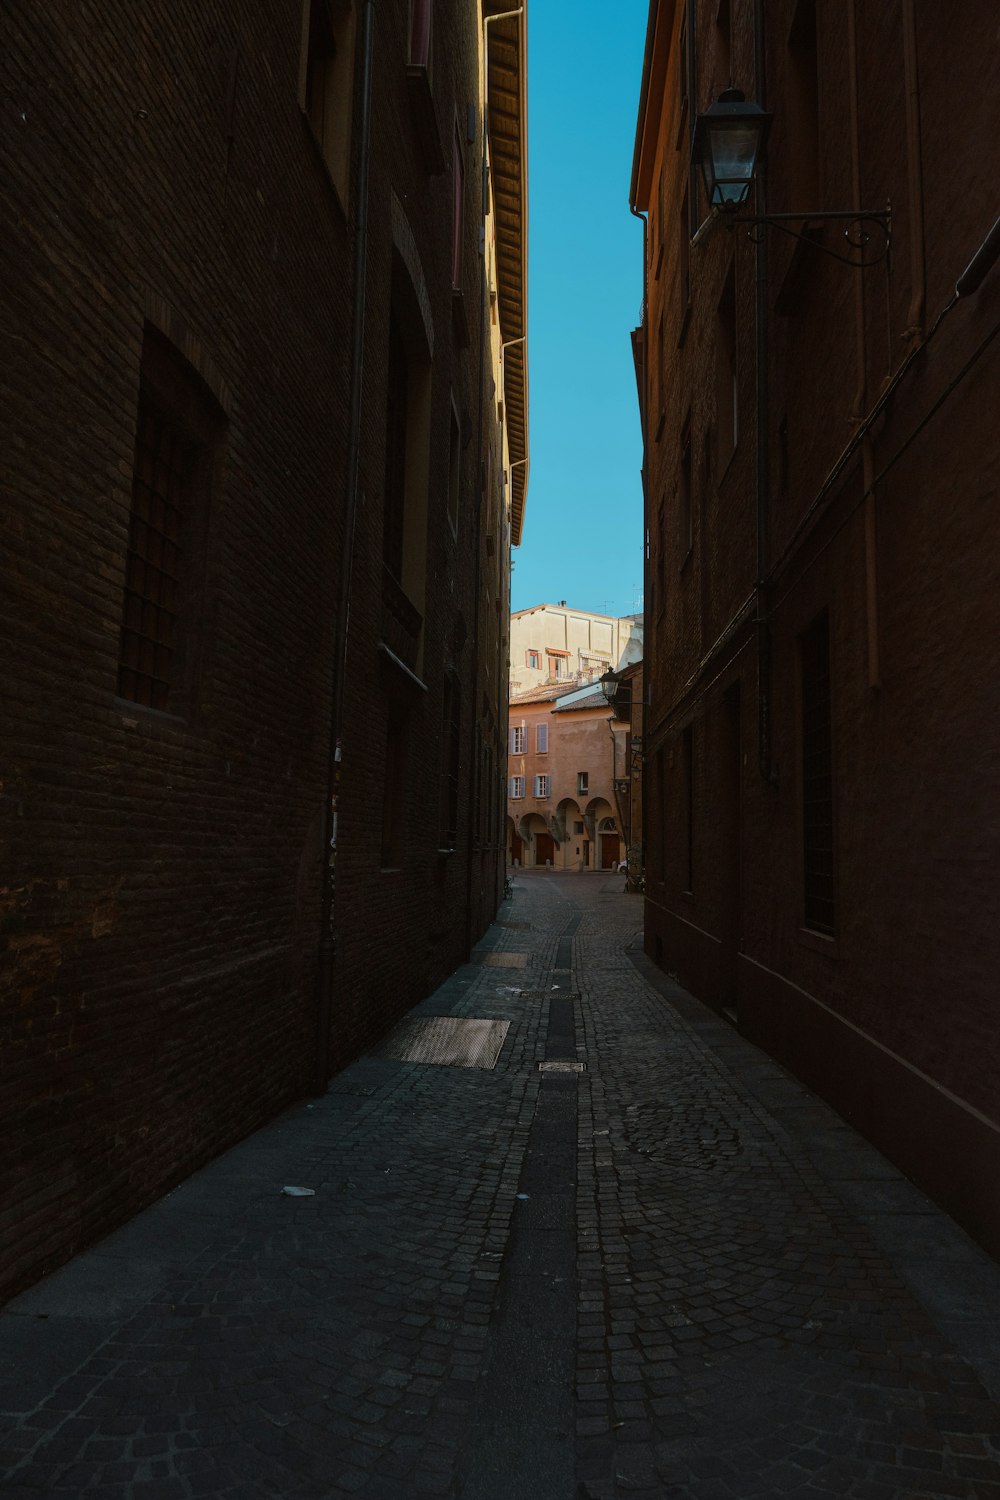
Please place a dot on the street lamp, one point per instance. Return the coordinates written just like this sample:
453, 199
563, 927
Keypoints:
609, 684
729, 141
729, 138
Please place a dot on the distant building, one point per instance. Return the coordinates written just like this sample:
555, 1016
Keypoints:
822, 463
553, 643
564, 752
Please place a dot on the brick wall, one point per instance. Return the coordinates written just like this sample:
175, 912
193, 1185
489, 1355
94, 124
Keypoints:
908, 581
162, 874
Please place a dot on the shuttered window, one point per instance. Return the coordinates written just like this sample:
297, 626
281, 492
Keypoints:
542, 739
516, 787
542, 786
518, 740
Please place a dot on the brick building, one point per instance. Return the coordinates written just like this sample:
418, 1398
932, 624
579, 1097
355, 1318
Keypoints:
821, 466
255, 411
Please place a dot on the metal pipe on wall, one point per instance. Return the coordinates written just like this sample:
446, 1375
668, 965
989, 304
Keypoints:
763, 463
915, 176
861, 393
327, 941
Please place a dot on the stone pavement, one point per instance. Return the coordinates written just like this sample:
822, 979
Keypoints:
675, 1273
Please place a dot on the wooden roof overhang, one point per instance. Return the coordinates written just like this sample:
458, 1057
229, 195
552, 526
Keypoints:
507, 112
659, 28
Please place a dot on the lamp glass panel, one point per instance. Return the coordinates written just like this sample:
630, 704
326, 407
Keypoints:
732, 151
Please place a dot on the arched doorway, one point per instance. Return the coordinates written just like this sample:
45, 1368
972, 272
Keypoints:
515, 845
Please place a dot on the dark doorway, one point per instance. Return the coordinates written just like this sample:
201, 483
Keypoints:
610, 850
516, 849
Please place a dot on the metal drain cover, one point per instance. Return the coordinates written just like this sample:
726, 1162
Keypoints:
447, 1041
546, 994
502, 960
561, 1065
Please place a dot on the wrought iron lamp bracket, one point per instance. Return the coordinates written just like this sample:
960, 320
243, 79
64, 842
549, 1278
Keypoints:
868, 234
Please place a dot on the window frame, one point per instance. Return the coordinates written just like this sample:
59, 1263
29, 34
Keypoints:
331, 130
173, 395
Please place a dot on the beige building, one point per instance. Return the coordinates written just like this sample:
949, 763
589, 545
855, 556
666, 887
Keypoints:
553, 643
565, 751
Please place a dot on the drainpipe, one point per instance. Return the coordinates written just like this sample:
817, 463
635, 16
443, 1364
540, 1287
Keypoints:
327, 940
861, 394
763, 466
915, 178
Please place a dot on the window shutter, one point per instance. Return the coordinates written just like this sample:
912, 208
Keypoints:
542, 739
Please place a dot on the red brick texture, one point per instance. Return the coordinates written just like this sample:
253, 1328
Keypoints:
908, 578
162, 872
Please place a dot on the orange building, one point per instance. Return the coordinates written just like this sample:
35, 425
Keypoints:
565, 753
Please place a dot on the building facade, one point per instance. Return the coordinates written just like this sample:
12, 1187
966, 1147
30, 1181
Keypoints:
821, 465
553, 643
256, 408
566, 757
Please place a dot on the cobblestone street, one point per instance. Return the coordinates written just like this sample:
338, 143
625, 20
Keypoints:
675, 1273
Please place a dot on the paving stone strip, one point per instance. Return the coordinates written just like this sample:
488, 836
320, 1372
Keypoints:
709, 1288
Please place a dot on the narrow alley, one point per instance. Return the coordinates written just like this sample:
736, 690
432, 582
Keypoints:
656, 1266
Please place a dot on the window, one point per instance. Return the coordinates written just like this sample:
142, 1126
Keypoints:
516, 787
658, 240
454, 469
683, 67
685, 510
458, 213
684, 260
687, 774
583, 782
661, 377
535, 660
726, 402
393, 800
406, 481
420, 33
578, 827
542, 786
326, 83
394, 500
518, 740
542, 739
817, 779
177, 432
723, 48
803, 108
451, 726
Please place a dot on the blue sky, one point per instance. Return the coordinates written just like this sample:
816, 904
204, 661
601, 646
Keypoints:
582, 538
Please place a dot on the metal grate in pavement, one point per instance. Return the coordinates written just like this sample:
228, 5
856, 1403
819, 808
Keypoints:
501, 960
561, 1065
556, 994
446, 1041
